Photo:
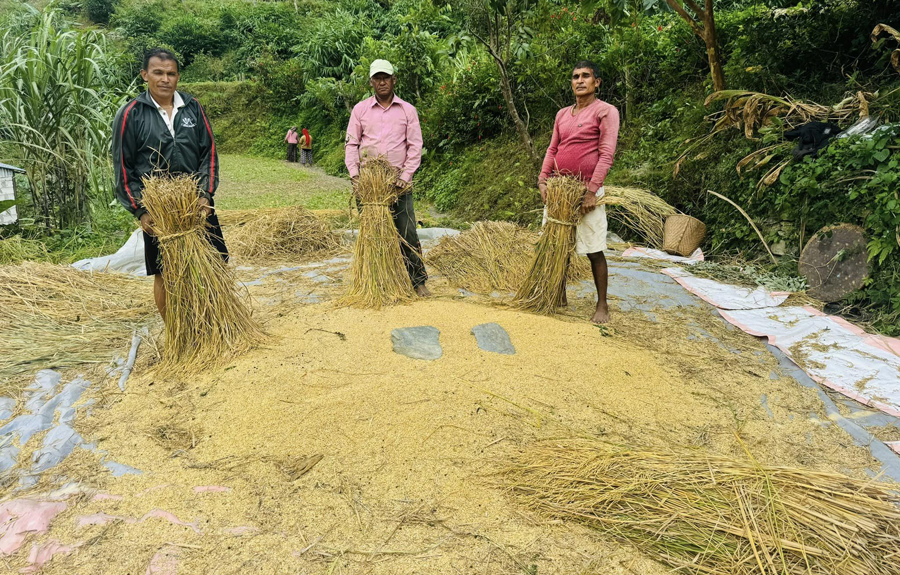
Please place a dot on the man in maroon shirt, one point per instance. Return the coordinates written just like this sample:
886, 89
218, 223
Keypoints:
583, 145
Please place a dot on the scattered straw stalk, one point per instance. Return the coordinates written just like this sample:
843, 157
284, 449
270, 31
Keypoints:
206, 318
57, 316
277, 233
544, 288
492, 256
639, 210
378, 275
715, 515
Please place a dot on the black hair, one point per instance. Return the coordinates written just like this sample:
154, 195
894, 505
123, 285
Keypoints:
162, 54
595, 69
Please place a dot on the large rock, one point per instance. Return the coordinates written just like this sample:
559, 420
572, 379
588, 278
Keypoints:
420, 342
491, 337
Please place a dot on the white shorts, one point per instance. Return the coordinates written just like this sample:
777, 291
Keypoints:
590, 233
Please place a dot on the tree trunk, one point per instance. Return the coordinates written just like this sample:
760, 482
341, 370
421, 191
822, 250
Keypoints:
712, 50
521, 128
629, 95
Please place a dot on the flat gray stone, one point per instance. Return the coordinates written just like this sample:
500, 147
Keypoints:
491, 337
420, 342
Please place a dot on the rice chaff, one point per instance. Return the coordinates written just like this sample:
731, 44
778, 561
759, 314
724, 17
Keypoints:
288, 232
378, 275
714, 515
492, 256
544, 288
207, 318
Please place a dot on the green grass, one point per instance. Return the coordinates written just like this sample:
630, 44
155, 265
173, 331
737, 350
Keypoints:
251, 182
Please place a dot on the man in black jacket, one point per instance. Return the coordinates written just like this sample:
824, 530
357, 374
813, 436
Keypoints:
163, 130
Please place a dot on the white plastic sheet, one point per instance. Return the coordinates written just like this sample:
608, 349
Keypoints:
129, 259
638, 252
832, 351
726, 296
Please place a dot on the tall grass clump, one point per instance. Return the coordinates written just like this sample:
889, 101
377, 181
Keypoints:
59, 90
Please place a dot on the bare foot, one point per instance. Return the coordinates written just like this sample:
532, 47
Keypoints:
422, 291
602, 314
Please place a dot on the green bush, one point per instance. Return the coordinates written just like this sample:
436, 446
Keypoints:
99, 11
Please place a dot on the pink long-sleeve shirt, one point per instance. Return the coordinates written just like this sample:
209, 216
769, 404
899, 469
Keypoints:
393, 132
583, 144
292, 137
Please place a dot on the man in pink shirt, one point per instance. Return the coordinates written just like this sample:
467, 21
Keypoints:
292, 138
583, 145
385, 125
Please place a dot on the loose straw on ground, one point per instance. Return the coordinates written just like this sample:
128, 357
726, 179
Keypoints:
57, 316
544, 287
288, 232
378, 275
715, 515
207, 319
639, 210
492, 256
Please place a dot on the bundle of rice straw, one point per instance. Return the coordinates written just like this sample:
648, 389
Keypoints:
544, 287
378, 273
287, 232
716, 515
492, 256
57, 316
206, 318
639, 210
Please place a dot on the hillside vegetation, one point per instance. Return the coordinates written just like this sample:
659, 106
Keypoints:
259, 67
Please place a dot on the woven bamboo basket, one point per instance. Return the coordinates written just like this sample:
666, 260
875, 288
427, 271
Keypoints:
682, 234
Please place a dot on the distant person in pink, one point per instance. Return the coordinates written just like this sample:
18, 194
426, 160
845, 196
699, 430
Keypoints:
583, 145
292, 138
385, 125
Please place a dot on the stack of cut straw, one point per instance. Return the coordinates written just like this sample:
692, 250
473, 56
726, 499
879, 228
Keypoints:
639, 210
57, 316
378, 273
716, 515
492, 256
277, 233
544, 288
206, 318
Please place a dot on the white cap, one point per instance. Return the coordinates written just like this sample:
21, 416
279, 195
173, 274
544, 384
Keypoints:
381, 66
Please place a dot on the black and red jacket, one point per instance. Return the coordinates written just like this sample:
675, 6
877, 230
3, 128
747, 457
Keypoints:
142, 144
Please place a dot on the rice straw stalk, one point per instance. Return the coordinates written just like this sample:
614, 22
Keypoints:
544, 287
207, 319
704, 514
639, 210
378, 275
288, 232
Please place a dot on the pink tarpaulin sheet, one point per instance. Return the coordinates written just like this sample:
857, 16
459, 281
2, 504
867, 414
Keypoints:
832, 351
694, 258
726, 296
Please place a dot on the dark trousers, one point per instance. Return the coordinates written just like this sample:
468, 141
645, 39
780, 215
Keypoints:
292, 153
305, 156
405, 220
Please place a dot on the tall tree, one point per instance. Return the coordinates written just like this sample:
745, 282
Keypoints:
703, 23
499, 25
701, 20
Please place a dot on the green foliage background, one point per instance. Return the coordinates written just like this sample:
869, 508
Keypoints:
259, 67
